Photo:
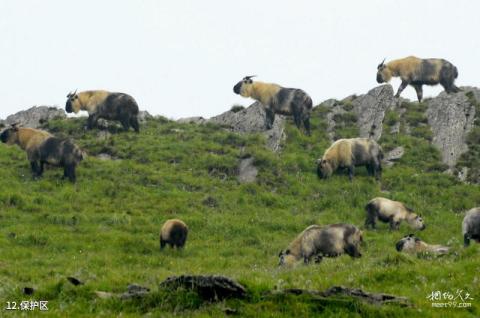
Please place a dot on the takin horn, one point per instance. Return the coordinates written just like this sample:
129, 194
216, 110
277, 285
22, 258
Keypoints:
381, 64
249, 77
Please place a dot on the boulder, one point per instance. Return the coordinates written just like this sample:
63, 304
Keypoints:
143, 116
247, 120
370, 110
208, 287
247, 172
451, 117
35, 116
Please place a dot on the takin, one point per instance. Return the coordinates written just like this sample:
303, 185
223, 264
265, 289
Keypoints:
106, 105
417, 72
412, 244
278, 100
471, 226
174, 232
43, 148
329, 241
393, 212
348, 153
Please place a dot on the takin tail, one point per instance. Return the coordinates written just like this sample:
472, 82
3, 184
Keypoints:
455, 72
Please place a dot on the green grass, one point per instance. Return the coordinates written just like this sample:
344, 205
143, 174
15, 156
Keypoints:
104, 229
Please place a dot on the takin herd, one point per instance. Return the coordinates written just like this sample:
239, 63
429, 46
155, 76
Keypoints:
315, 241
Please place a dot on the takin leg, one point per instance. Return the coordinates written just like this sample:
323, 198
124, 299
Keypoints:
306, 124
352, 250
92, 121
270, 117
377, 169
125, 123
35, 168
418, 89
466, 240
162, 244
69, 172
370, 221
350, 172
134, 123
401, 88
40, 168
394, 225
296, 119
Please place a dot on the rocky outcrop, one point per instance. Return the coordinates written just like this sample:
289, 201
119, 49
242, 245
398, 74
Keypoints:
248, 120
143, 116
247, 172
207, 287
370, 109
451, 117
393, 155
35, 116
341, 292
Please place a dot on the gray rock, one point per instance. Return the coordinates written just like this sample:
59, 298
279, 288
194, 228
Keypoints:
207, 287
135, 291
193, 120
247, 172
342, 292
335, 110
329, 103
370, 109
248, 120
451, 117
35, 116
394, 154
143, 116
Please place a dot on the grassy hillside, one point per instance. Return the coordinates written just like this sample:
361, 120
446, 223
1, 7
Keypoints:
104, 229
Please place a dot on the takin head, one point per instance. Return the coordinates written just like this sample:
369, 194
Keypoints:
285, 258
324, 169
416, 222
244, 87
10, 135
73, 104
384, 74
407, 243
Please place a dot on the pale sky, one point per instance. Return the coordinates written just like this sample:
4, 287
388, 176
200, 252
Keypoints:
182, 58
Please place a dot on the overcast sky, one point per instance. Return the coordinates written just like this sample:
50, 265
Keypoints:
182, 58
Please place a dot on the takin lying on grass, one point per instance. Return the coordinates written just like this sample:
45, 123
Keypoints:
471, 226
417, 72
393, 212
278, 100
106, 105
316, 241
174, 232
412, 244
348, 153
43, 148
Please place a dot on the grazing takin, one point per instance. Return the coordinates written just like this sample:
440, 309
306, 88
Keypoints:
174, 232
471, 226
417, 72
43, 148
412, 244
329, 241
393, 212
348, 153
107, 105
278, 100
